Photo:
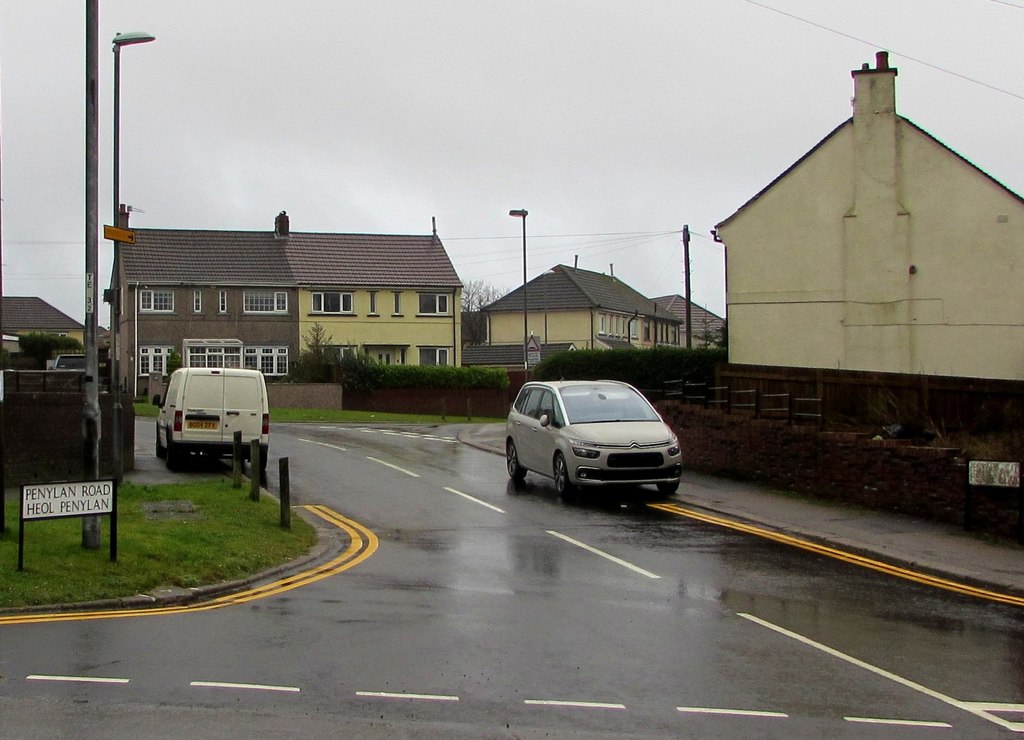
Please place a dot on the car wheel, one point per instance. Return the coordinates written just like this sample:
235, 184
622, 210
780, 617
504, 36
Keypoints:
161, 451
565, 487
172, 455
515, 471
667, 489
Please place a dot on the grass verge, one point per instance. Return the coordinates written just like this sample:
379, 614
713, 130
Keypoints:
225, 537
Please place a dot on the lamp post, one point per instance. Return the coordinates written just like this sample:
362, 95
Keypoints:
522, 213
121, 39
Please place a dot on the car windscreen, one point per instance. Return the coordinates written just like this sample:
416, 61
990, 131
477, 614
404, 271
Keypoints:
587, 404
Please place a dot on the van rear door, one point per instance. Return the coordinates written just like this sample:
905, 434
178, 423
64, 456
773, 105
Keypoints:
243, 407
203, 400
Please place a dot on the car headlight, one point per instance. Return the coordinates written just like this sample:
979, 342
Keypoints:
673, 450
579, 449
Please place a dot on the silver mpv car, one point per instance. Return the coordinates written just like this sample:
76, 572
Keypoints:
590, 433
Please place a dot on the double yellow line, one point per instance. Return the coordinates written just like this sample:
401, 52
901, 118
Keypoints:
848, 557
361, 545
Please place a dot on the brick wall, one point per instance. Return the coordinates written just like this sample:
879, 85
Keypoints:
457, 403
889, 475
43, 436
305, 395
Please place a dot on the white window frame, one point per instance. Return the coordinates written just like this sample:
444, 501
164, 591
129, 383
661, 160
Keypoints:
214, 356
373, 303
441, 355
265, 301
440, 307
197, 301
151, 298
397, 305
344, 302
222, 301
271, 361
154, 358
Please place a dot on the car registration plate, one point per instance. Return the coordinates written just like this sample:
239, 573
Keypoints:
202, 425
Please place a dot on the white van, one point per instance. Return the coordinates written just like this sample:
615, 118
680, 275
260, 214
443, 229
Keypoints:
204, 407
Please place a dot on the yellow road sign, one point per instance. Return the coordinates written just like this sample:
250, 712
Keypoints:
125, 236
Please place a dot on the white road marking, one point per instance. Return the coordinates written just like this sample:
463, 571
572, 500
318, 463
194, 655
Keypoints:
324, 444
977, 709
577, 704
252, 686
400, 695
474, 499
732, 712
395, 467
617, 561
899, 722
77, 679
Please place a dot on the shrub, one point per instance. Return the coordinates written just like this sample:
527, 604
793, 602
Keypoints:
42, 347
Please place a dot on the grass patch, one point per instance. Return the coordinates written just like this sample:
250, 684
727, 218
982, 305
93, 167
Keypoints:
143, 409
224, 538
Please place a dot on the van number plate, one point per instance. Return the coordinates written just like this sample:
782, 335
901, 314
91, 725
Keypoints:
202, 425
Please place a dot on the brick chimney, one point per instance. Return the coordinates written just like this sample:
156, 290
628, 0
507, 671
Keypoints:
281, 225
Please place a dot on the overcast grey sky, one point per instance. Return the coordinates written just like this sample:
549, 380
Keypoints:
613, 122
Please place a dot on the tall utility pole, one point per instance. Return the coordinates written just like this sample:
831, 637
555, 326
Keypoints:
686, 280
3, 457
91, 410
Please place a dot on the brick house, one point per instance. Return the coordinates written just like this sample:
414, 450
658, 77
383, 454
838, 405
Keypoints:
250, 298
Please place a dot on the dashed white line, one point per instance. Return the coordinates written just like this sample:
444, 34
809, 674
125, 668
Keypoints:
394, 467
732, 712
617, 561
575, 704
250, 686
897, 722
324, 444
402, 695
474, 499
77, 679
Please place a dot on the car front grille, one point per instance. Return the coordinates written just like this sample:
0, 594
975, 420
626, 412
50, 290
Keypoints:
635, 460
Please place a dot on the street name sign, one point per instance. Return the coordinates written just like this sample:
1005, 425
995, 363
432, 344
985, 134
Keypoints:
117, 234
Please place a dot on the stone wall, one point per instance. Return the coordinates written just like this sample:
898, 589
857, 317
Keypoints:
889, 475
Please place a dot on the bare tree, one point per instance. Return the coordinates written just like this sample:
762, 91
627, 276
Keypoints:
475, 295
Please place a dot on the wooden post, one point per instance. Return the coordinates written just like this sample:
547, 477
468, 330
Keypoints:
236, 460
285, 494
254, 469
469, 409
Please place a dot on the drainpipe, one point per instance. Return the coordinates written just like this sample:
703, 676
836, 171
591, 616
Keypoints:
135, 346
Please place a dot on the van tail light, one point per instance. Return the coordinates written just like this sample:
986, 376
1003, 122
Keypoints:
266, 424
177, 421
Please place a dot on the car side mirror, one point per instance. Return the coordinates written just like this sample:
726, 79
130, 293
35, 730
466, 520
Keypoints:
544, 420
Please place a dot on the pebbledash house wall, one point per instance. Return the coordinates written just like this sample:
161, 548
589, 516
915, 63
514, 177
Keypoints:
887, 475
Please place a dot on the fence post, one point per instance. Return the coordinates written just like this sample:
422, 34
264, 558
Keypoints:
285, 493
444, 409
469, 409
254, 469
236, 460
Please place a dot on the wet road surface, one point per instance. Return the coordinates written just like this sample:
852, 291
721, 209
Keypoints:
491, 610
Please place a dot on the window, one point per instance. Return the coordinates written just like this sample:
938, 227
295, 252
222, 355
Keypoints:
265, 301
634, 329
197, 301
268, 360
433, 355
157, 300
334, 302
222, 301
397, 311
154, 360
433, 303
373, 302
214, 356
604, 325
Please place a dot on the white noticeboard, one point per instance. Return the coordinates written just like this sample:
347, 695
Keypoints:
76, 498
990, 473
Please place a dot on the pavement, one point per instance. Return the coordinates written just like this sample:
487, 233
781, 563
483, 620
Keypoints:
982, 565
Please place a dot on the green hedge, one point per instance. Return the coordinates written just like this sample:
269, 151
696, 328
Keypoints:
647, 369
361, 373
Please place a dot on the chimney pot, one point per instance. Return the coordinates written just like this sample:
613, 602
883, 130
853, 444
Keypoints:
882, 60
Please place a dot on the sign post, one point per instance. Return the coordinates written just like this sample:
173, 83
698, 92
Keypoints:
64, 499
993, 474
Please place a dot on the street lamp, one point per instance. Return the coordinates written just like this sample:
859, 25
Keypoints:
121, 39
522, 213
